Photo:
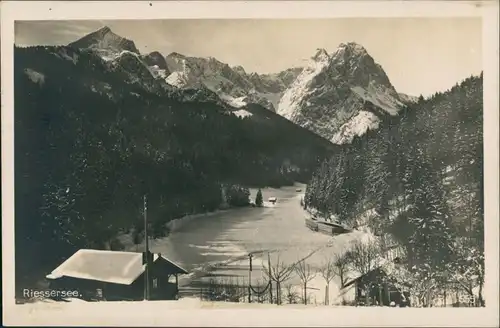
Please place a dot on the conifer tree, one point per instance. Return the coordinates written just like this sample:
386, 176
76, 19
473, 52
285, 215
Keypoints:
432, 239
258, 198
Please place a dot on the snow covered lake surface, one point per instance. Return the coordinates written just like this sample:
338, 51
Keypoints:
216, 245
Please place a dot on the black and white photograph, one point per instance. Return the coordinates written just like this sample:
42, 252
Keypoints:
232, 163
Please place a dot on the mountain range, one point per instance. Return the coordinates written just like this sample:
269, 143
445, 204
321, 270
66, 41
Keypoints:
98, 125
336, 95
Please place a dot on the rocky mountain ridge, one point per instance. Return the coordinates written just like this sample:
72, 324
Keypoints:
337, 95
340, 95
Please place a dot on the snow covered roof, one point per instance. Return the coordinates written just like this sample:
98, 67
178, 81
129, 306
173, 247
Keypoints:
385, 265
107, 266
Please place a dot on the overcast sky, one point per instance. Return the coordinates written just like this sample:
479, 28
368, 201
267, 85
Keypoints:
420, 55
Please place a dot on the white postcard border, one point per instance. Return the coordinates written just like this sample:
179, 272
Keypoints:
144, 313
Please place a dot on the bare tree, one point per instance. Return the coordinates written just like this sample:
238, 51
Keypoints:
291, 294
364, 257
327, 271
341, 262
279, 273
306, 274
335, 266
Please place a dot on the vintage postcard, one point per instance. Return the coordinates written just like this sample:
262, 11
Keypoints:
250, 163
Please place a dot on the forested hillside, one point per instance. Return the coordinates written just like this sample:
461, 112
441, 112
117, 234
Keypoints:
421, 176
90, 142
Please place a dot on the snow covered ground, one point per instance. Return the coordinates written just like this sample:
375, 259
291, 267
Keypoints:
191, 312
218, 243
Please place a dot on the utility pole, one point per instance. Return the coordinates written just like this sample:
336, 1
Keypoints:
250, 278
270, 279
146, 253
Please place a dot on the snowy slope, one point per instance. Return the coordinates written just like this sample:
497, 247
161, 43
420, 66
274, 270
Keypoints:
327, 96
121, 53
300, 89
177, 79
242, 113
149, 77
357, 126
407, 98
34, 76
331, 96
106, 43
157, 64
380, 98
232, 84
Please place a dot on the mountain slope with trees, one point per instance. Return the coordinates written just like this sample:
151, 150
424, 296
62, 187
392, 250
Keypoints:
422, 180
90, 141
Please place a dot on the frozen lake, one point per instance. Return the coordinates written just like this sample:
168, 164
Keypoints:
219, 244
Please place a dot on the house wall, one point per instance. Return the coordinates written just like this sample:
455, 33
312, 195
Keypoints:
89, 289
160, 288
160, 285
381, 292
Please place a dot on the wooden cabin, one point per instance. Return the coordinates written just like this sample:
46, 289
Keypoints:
116, 276
381, 289
312, 224
331, 228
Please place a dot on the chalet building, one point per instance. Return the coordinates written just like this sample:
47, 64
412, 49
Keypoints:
117, 276
381, 281
381, 291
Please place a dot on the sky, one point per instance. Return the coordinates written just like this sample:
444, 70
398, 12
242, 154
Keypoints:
419, 55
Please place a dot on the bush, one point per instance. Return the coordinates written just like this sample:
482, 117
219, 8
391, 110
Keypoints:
238, 196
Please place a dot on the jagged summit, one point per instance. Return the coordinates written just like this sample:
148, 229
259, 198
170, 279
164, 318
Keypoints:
176, 54
321, 55
349, 51
105, 40
104, 30
353, 47
233, 84
155, 54
330, 95
239, 69
156, 58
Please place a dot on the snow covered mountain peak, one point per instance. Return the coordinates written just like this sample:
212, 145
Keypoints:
321, 56
340, 95
106, 42
352, 48
233, 84
175, 55
104, 30
240, 70
121, 54
156, 58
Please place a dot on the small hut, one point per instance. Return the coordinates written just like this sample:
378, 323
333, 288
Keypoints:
113, 275
378, 287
